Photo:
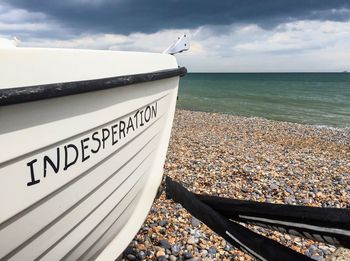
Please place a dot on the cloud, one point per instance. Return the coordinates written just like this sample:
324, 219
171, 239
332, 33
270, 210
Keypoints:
299, 36
24, 24
130, 16
304, 45
155, 42
235, 35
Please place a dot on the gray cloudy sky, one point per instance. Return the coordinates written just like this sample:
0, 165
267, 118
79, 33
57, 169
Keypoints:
226, 35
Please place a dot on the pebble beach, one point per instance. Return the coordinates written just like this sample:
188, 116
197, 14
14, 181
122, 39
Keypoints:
244, 158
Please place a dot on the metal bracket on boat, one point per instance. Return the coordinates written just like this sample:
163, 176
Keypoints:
4, 42
182, 44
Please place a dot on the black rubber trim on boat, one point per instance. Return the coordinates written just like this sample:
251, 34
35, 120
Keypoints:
10, 96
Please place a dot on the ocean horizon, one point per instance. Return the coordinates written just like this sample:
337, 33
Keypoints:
313, 98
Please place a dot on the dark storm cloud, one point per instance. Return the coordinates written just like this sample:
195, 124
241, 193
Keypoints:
127, 16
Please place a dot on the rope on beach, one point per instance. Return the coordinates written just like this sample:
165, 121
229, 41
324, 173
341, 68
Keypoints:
329, 225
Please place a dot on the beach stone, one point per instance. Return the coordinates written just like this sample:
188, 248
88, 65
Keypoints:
192, 240
311, 251
160, 253
159, 248
141, 255
189, 248
290, 200
153, 225
287, 237
223, 243
178, 206
228, 247
325, 250
196, 233
164, 243
187, 255
317, 257
131, 257
172, 258
175, 249
273, 187
195, 222
161, 258
244, 190
163, 223
133, 243
129, 250
212, 250
204, 253
149, 253
289, 190
305, 201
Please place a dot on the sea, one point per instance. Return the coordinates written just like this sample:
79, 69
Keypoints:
321, 99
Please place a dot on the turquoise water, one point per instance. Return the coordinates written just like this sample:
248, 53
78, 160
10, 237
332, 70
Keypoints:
309, 98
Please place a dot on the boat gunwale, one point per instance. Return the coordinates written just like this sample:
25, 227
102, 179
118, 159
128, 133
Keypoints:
10, 96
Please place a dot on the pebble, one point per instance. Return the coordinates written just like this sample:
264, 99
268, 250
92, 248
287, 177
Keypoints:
192, 240
312, 250
227, 247
163, 223
175, 249
195, 222
162, 258
188, 255
204, 253
129, 250
244, 158
289, 190
289, 200
160, 253
273, 187
212, 250
131, 257
164, 243
141, 255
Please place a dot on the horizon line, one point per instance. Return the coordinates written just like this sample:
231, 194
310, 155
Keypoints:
343, 72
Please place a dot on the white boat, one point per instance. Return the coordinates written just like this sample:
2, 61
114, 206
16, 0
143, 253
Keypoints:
83, 138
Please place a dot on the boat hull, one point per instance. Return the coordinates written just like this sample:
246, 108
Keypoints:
81, 171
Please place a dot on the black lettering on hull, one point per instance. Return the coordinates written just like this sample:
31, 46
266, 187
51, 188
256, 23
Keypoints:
32, 181
114, 134
89, 145
97, 140
105, 136
130, 126
66, 156
48, 160
83, 148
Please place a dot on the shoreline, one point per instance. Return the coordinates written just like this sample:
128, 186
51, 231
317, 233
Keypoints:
244, 158
321, 126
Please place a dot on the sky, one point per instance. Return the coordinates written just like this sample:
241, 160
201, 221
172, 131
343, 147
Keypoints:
225, 35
